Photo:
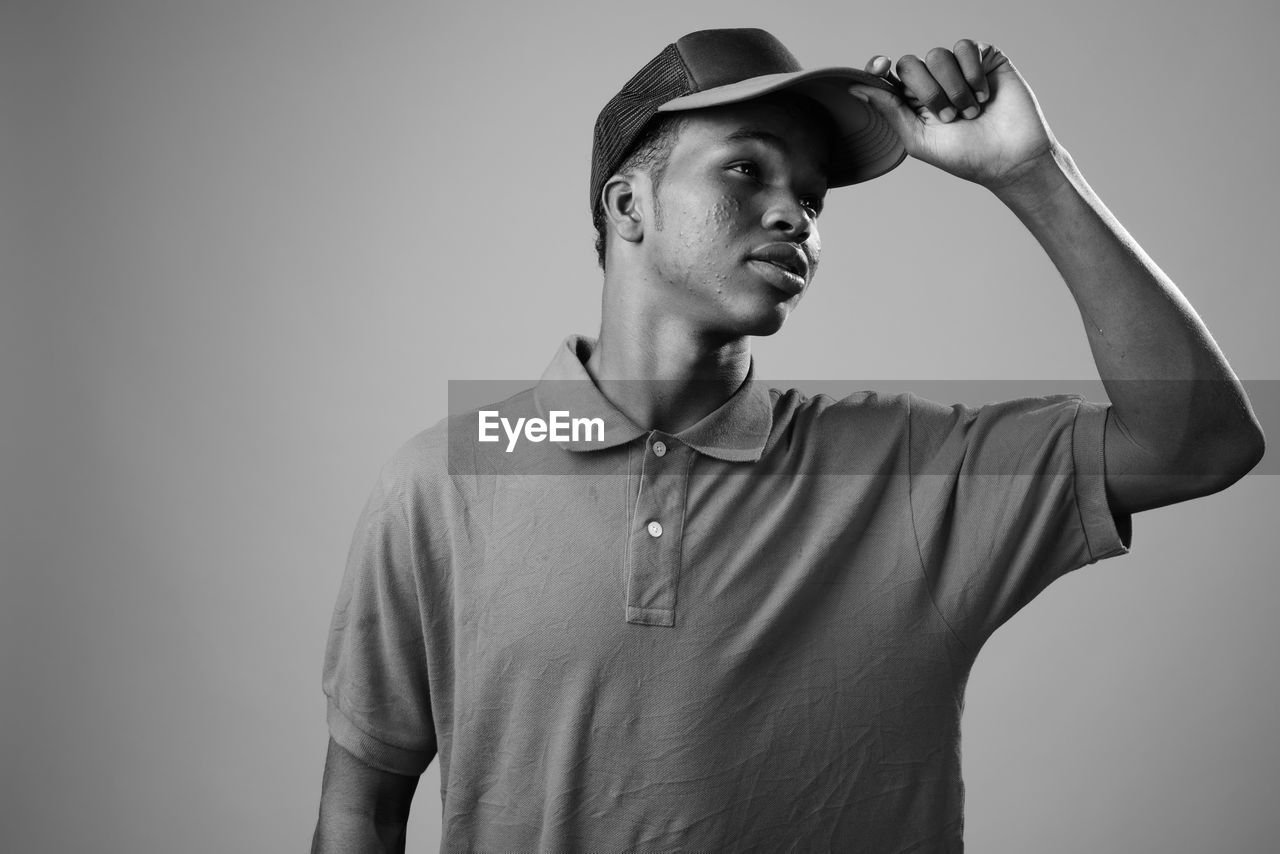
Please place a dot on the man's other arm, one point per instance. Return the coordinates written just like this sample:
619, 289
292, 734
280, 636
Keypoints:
1180, 423
363, 810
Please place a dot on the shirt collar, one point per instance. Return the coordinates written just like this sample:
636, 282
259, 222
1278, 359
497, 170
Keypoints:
736, 432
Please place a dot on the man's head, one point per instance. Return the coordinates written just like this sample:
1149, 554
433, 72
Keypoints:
711, 68
716, 222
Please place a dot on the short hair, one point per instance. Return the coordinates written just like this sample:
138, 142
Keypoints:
651, 153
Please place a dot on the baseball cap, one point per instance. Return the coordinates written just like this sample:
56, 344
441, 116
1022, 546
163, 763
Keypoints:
713, 67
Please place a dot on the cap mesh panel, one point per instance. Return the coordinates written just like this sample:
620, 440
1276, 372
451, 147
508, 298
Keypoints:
624, 117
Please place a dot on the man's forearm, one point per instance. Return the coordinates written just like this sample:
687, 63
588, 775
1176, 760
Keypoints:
1169, 384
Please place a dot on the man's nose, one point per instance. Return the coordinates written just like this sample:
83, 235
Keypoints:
788, 218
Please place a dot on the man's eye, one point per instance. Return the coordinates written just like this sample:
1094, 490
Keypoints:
749, 169
814, 205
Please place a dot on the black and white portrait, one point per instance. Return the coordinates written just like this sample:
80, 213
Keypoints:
571, 427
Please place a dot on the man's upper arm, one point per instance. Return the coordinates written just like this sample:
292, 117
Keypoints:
1138, 479
361, 807
376, 671
1006, 498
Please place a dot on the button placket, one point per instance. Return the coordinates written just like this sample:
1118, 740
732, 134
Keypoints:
653, 565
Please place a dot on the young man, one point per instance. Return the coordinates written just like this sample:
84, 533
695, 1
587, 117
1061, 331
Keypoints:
722, 617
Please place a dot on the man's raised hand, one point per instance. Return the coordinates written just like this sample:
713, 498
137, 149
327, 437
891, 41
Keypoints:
966, 110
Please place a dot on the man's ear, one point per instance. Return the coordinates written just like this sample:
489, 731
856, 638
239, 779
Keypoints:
621, 198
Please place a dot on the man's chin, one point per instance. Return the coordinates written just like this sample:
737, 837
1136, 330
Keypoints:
761, 316
767, 323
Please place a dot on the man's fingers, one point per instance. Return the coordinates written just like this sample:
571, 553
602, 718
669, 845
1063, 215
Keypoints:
882, 66
969, 56
945, 68
922, 88
950, 84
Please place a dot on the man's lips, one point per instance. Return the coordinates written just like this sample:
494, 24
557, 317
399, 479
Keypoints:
785, 264
788, 256
782, 279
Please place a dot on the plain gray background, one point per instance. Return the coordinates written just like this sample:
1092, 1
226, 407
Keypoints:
244, 245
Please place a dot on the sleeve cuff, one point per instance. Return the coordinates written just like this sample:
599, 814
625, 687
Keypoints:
1106, 533
371, 751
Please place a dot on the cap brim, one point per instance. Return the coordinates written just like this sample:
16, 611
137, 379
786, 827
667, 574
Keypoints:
868, 145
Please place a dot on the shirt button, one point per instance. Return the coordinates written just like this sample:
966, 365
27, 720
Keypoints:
660, 448
655, 529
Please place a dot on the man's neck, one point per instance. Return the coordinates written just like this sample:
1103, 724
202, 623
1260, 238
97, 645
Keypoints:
664, 376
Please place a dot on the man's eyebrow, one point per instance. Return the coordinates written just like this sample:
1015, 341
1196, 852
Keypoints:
759, 136
770, 139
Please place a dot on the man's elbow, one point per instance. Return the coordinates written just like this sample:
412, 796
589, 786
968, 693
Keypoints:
1229, 456
1252, 448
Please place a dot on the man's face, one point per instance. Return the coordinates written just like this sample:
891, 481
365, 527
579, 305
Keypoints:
735, 242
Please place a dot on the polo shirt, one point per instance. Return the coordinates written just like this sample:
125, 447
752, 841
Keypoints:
752, 635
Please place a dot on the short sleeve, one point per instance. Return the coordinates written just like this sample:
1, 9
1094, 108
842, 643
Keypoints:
375, 669
1005, 499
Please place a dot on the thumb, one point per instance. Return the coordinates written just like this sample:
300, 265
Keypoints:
889, 105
